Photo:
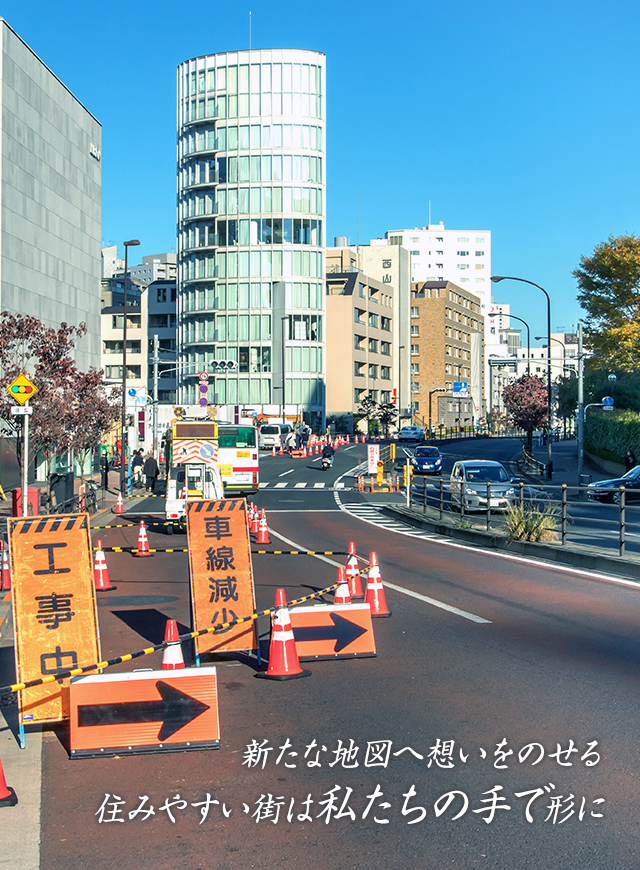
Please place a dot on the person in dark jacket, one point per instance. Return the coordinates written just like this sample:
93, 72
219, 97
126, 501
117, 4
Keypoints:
137, 465
151, 473
104, 468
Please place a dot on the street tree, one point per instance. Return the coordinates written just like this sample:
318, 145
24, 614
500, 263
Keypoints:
526, 404
609, 291
388, 414
90, 412
368, 410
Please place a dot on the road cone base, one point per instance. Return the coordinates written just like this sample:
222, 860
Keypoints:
380, 615
143, 554
263, 675
11, 800
105, 588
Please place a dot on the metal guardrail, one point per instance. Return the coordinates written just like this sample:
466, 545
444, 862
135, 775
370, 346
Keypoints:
617, 526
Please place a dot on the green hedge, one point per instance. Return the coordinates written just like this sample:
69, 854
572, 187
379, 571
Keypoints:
610, 434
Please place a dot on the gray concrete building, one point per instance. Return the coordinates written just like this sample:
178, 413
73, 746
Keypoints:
50, 198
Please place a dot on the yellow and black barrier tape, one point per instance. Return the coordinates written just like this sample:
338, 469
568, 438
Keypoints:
77, 672
254, 552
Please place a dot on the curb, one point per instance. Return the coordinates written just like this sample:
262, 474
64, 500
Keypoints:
543, 552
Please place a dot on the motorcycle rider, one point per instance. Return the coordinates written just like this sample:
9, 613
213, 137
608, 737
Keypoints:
327, 454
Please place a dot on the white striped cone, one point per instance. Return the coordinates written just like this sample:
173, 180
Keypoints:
119, 508
283, 655
143, 542
375, 596
172, 657
101, 579
273, 450
353, 573
341, 595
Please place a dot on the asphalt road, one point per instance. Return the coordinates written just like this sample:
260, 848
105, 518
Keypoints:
483, 655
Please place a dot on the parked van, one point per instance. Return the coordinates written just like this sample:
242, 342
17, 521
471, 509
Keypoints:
270, 435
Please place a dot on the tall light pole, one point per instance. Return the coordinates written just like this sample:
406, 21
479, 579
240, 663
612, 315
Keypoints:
431, 392
580, 404
498, 278
127, 245
400, 348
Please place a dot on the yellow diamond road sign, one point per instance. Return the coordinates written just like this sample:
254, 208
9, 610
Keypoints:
22, 389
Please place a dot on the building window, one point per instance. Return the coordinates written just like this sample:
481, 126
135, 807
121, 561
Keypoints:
462, 239
373, 372
385, 373
463, 265
373, 394
415, 368
414, 311
439, 265
357, 342
373, 345
373, 320
385, 348
479, 253
479, 265
415, 348
415, 253
395, 240
357, 394
385, 397
361, 289
357, 315
385, 323
358, 369
415, 329
480, 241
463, 253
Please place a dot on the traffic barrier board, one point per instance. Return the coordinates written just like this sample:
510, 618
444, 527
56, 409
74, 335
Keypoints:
54, 608
333, 631
221, 573
142, 712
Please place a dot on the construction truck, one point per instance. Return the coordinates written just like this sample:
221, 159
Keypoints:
191, 455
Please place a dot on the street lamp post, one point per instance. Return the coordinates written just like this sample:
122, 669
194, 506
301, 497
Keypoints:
400, 348
283, 319
496, 279
127, 245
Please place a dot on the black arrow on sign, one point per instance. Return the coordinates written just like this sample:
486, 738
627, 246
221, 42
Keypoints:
174, 710
342, 631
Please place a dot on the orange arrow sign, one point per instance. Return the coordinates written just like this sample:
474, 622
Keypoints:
333, 631
148, 711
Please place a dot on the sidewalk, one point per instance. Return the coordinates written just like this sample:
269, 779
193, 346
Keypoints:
564, 455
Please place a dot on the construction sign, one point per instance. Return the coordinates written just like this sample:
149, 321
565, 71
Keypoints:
333, 631
195, 451
146, 711
54, 608
221, 573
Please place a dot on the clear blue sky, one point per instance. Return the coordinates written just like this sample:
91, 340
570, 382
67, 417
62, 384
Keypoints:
520, 118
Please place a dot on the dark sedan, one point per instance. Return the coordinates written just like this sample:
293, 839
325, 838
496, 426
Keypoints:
426, 460
610, 490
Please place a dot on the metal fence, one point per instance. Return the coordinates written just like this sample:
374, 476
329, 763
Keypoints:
573, 519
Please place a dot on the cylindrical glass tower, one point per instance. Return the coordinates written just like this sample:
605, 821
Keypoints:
251, 224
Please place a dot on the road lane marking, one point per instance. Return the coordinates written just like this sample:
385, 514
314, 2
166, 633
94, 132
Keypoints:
410, 592
285, 472
318, 485
299, 485
280, 485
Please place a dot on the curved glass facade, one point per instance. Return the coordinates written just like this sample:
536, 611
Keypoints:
251, 225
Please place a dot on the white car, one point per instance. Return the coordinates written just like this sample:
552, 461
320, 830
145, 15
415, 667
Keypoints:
473, 479
270, 435
410, 433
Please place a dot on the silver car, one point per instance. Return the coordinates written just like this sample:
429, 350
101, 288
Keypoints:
469, 480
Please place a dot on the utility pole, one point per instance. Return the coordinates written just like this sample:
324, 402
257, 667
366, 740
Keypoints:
156, 450
580, 404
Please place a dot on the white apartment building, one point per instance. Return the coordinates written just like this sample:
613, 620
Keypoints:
154, 267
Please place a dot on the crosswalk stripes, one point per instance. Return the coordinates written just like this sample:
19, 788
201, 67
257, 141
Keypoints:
338, 486
372, 513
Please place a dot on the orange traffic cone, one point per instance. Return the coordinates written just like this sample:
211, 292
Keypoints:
273, 450
8, 797
172, 657
143, 542
353, 573
341, 595
101, 579
283, 655
5, 573
119, 508
304, 452
263, 531
317, 450
255, 522
375, 596
281, 451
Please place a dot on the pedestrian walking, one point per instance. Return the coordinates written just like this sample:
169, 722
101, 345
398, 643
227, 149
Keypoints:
104, 469
151, 473
137, 466
291, 441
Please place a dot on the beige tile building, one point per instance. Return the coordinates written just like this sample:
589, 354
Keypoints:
447, 347
359, 335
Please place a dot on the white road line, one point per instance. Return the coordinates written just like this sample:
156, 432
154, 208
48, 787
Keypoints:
299, 485
319, 485
285, 472
410, 592
280, 485
263, 484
